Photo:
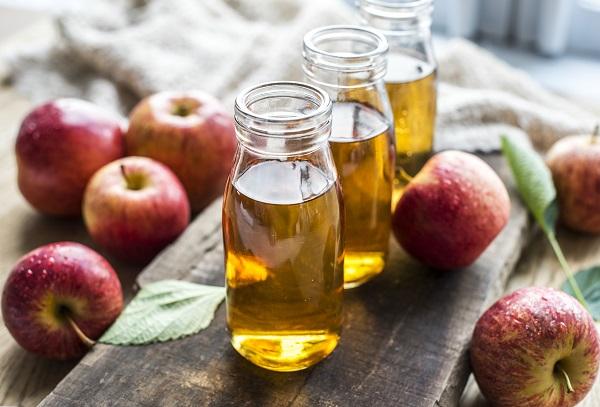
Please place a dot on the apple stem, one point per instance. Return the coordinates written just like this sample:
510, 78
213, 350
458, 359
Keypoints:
84, 338
124, 173
567, 380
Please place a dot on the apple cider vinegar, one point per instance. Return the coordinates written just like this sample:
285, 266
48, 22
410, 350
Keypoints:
364, 160
411, 87
283, 229
284, 265
410, 79
349, 63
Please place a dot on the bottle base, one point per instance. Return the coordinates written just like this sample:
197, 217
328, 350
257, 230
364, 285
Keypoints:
360, 267
284, 352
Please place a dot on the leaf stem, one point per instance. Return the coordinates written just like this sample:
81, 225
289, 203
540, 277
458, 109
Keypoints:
566, 269
567, 380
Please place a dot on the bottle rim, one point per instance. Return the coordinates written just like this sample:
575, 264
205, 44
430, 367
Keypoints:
311, 117
345, 61
396, 10
397, 4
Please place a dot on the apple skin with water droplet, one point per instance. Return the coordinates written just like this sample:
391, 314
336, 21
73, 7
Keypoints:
190, 132
53, 283
60, 145
521, 343
451, 211
134, 207
575, 165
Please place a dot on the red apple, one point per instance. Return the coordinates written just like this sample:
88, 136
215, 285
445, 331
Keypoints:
58, 298
451, 211
575, 165
191, 133
535, 347
59, 147
134, 207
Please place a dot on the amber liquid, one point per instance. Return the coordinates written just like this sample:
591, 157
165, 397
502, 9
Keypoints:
411, 87
363, 154
284, 264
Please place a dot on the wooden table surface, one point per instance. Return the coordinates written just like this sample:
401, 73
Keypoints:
26, 379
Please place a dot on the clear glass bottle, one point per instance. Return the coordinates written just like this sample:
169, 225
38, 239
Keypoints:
349, 63
410, 79
283, 229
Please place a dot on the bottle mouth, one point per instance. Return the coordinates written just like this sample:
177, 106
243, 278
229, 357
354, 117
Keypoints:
345, 48
296, 113
391, 6
403, 12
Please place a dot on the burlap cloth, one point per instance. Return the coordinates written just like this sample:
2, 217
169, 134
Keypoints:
114, 52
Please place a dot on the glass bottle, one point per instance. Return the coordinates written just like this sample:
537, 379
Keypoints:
349, 63
410, 79
283, 229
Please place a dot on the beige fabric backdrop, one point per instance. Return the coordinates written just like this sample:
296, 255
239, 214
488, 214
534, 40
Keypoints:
114, 52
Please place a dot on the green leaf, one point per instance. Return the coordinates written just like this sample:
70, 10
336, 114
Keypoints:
163, 311
589, 281
534, 182
536, 187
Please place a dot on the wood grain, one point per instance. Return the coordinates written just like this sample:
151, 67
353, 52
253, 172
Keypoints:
405, 338
538, 267
24, 378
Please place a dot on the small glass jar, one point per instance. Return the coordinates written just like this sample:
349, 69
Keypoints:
283, 229
410, 79
349, 63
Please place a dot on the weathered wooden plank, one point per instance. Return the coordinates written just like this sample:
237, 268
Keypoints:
24, 378
539, 267
405, 337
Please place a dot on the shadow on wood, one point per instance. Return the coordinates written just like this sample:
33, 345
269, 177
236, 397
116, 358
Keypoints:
36, 230
404, 341
26, 369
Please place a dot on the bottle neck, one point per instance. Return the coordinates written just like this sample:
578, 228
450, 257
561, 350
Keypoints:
344, 57
397, 18
343, 81
283, 119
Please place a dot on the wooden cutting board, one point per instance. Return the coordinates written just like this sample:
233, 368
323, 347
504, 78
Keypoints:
404, 343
